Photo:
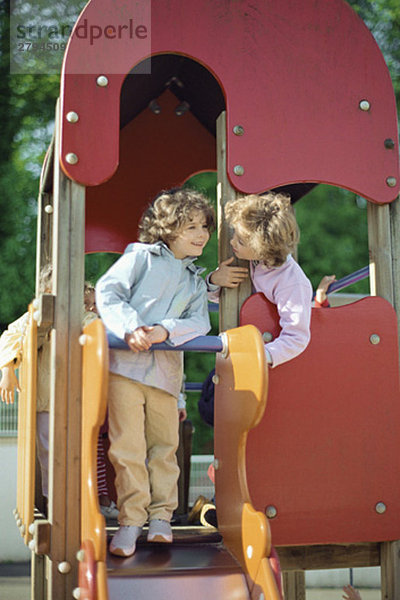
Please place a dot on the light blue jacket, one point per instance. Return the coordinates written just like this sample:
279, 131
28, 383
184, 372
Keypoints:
149, 286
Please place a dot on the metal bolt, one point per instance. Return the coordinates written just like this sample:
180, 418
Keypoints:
215, 379
83, 339
238, 170
267, 336
32, 546
80, 555
19, 522
238, 130
48, 209
102, 81
72, 117
249, 551
182, 108
36, 316
14, 511
31, 528
76, 593
389, 143
380, 508
64, 567
22, 529
155, 107
216, 464
374, 339
391, 181
364, 105
271, 512
71, 158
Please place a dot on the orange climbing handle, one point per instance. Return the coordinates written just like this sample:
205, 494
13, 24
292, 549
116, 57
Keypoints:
92, 569
240, 401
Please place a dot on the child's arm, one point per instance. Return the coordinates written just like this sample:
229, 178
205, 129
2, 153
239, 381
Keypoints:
294, 309
228, 276
113, 292
8, 384
143, 337
195, 320
321, 299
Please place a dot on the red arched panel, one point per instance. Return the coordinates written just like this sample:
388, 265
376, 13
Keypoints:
327, 449
293, 73
156, 152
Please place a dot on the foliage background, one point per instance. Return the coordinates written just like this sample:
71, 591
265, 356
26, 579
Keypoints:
332, 221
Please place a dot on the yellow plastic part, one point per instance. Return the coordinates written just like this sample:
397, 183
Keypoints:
240, 401
27, 430
94, 406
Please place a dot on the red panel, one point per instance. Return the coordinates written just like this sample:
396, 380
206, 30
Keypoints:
153, 156
293, 73
329, 440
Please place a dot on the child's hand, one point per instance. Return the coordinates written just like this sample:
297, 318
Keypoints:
351, 593
320, 294
182, 414
8, 384
226, 276
143, 337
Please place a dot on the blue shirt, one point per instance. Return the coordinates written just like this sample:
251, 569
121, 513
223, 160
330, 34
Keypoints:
149, 286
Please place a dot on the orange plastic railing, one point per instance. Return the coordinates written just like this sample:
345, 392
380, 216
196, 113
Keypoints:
240, 400
92, 572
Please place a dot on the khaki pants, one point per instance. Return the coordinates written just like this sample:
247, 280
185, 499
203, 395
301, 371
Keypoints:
143, 424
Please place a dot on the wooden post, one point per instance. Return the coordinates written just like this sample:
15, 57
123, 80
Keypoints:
231, 299
65, 383
294, 585
380, 251
384, 247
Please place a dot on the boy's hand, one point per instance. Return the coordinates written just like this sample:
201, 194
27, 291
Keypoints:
8, 384
226, 276
143, 337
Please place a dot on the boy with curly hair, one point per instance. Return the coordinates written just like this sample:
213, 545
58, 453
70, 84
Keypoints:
153, 293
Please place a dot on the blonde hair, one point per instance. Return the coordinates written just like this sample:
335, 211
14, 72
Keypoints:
267, 224
171, 210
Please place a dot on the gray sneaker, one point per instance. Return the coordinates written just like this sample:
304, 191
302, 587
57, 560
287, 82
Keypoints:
159, 531
124, 540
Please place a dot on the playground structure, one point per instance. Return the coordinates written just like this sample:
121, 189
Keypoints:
272, 96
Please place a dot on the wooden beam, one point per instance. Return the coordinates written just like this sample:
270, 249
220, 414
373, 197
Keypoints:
390, 570
384, 247
65, 384
294, 585
380, 251
330, 556
231, 299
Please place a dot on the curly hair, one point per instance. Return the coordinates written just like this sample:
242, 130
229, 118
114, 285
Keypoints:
169, 211
267, 225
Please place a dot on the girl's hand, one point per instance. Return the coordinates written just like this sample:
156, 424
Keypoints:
8, 384
143, 337
320, 294
226, 276
182, 414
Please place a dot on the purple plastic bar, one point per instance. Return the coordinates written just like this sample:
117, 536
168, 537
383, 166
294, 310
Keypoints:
203, 343
349, 280
344, 282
